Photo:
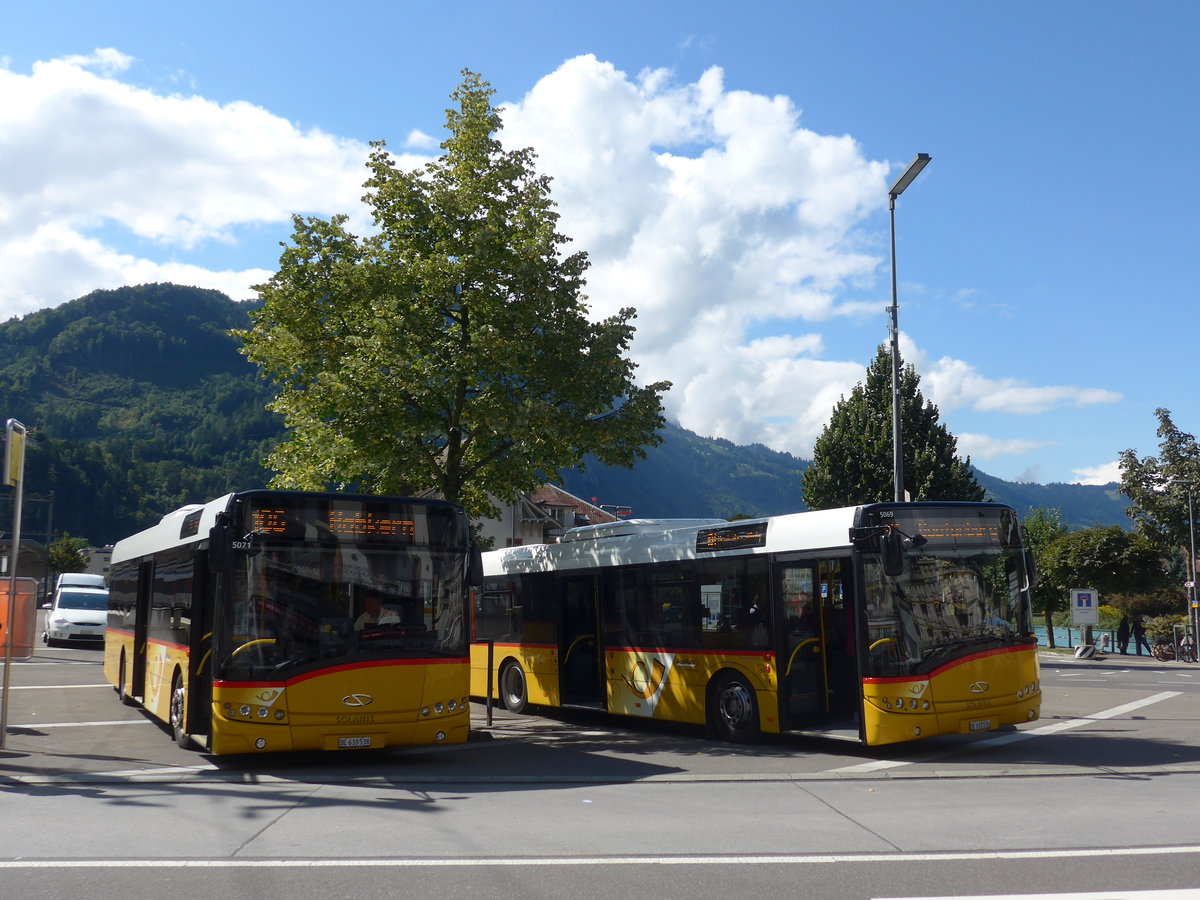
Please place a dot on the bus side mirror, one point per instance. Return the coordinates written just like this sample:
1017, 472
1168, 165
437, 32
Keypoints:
220, 548
891, 548
1031, 569
475, 573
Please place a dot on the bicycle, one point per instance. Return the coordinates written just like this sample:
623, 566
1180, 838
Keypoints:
1187, 649
1163, 651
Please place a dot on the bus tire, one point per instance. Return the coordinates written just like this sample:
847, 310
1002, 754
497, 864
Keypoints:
514, 690
123, 683
733, 709
178, 713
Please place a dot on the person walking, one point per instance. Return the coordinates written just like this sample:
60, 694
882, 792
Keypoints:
1123, 636
1139, 636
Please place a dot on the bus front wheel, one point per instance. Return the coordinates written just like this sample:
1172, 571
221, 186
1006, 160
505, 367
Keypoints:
733, 710
513, 690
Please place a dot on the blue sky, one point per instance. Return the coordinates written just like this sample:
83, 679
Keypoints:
725, 166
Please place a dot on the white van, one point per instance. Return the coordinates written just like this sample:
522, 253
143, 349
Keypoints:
77, 616
79, 579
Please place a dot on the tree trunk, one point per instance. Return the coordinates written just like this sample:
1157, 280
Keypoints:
1049, 629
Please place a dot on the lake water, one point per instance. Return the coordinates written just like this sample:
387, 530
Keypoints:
1069, 637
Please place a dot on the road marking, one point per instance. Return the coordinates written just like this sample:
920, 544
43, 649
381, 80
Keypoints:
80, 724
1179, 894
533, 861
1053, 728
56, 687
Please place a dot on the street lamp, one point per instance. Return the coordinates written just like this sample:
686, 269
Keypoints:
914, 169
1193, 616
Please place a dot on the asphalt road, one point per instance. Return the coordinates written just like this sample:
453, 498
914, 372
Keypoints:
1100, 795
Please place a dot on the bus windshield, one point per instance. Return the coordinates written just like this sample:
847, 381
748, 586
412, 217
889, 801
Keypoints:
292, 608
964, 588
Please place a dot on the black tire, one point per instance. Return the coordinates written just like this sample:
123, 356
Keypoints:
733, 710
514, 691
123, 684
178, 713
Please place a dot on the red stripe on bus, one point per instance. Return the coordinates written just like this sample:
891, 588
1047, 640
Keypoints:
952, 664
348, 667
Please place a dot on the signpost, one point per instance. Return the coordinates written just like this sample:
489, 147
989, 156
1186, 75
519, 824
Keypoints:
14, 476
1085, 612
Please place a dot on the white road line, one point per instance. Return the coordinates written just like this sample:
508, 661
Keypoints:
1176, 894
534, 861
56, 687
1053, 728
80, 724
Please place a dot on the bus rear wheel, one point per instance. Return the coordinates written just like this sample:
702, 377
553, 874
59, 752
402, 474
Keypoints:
733, 710
123, 684
178, 713
513, 689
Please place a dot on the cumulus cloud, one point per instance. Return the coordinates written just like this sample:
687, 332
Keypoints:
87, 156
953, 383
1105, 474
713, 213
981, 446
737, 233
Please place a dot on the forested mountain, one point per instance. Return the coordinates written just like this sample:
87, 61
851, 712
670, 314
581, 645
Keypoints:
139, 402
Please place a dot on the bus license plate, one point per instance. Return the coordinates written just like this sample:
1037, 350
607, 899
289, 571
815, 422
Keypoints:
981, 725
348, 743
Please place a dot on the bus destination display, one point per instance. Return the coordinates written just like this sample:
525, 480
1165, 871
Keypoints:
355, 521
948, 529
732, 537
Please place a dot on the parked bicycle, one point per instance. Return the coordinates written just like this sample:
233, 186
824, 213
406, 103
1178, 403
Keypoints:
1163, 651
1187, 648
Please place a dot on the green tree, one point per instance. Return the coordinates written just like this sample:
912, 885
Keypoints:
1157, 487
450, 351
853, 458
66, 555
1125, 568
1041, 529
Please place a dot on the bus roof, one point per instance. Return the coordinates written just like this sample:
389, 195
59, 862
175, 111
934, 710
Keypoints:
167, 532
667, 540
637, 541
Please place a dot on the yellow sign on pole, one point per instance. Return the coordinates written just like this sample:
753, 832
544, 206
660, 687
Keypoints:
14, 452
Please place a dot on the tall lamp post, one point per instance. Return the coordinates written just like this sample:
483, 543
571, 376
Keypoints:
914, 169
1193, 611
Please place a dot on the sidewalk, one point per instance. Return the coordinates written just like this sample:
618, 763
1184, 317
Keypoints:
1067, 654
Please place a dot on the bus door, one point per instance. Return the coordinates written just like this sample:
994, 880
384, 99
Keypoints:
802, 672
579, 656
200, 628
141, 629
843, 680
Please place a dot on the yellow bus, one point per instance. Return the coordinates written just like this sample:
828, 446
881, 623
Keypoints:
878, 624
276, 620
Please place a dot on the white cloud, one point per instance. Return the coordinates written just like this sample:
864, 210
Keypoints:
981, 446
953, 383
89, 158
713, 212
1105, 474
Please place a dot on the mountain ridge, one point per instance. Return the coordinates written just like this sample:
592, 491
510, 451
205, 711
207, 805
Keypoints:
140, 402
